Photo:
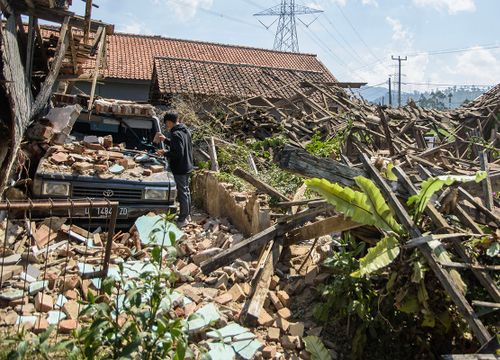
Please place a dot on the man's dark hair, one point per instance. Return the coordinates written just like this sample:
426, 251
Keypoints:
171, 116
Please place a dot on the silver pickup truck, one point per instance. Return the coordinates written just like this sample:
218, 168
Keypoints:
126, 170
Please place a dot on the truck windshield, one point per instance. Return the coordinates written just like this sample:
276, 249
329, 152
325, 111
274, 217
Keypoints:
137, 133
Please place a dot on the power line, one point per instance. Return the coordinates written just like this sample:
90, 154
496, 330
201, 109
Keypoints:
229, 17
348, 44
452, 51
357, 34
437, 84
338, 42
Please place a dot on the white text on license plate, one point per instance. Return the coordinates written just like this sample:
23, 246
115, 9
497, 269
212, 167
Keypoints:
107, 211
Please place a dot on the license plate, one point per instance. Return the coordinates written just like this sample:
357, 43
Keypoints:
105, 212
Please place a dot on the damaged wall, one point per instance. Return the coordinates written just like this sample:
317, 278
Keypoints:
218, 200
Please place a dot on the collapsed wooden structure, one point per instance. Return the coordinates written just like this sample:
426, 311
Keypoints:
422, 143
31, 65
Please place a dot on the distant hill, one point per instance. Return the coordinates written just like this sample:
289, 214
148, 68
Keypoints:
438, 98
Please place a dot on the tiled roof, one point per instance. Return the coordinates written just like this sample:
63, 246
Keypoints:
132, 56
183, 76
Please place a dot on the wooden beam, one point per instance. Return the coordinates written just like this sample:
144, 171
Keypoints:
253, 307
30, 48
301, 162
46, 89
487, 189
441, 225
260, 185
212, 152
100, 52
58, 16
320, 228
444, 277
489, 214
387, 131
19, 97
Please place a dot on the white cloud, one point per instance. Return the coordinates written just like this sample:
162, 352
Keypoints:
452, 6
481, 67
399, 33
185, 9
134, 27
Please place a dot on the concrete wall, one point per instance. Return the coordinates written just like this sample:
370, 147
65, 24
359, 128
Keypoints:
218, 200
117, 89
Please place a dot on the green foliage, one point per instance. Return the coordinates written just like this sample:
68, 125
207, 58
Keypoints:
315, 347
366, 207
239, 185
433, 184
330, 147
378, 256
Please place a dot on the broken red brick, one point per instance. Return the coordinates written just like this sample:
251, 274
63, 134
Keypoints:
273, 334
43, 302
43, 235
224, 298
156, 168
59, 158
237, 293
66, 326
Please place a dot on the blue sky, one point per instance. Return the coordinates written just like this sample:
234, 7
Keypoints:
354, 38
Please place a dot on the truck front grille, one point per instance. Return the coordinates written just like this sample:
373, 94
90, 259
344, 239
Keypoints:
111, 193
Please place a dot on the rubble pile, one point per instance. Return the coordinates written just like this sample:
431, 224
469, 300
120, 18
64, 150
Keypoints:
99, 156
48, 268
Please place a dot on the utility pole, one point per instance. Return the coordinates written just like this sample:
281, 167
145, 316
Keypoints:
390, 92
286, 32
399, 59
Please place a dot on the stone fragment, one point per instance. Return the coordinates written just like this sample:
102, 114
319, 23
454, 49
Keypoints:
70, 282
237, 293
66, 326
296, 329
269, 352
275, 300
264, 318
43, 302
282, 324
284, 297
285, 313
289, 342
273, 333
224, 298
41, 324
156, 168
190, 270
71, 309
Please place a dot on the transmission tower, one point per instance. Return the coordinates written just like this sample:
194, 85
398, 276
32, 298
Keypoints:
286, 32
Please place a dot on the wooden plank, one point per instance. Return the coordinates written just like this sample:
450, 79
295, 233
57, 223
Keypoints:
301, 162
253, 307
19, 97
100, 53
443, 276
387, 131
466, 196
212, 152
457, 265
260, 185
487, 189
486, 304
256, 241
46, 88
30, 48
253, 243
320, 228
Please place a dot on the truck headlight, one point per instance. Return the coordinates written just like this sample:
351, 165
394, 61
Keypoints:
152, 193
56, 188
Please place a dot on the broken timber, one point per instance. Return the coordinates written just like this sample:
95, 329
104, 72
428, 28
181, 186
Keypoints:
444, 277
259, 240
260, 185
301, 162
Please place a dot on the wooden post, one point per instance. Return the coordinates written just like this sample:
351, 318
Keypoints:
213, 155
251, 164
30, 48
100, 52
46, 89
487, 189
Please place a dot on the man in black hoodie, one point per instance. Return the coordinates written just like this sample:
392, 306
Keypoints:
180, 158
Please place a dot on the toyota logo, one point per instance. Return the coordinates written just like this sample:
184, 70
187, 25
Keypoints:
108, 193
